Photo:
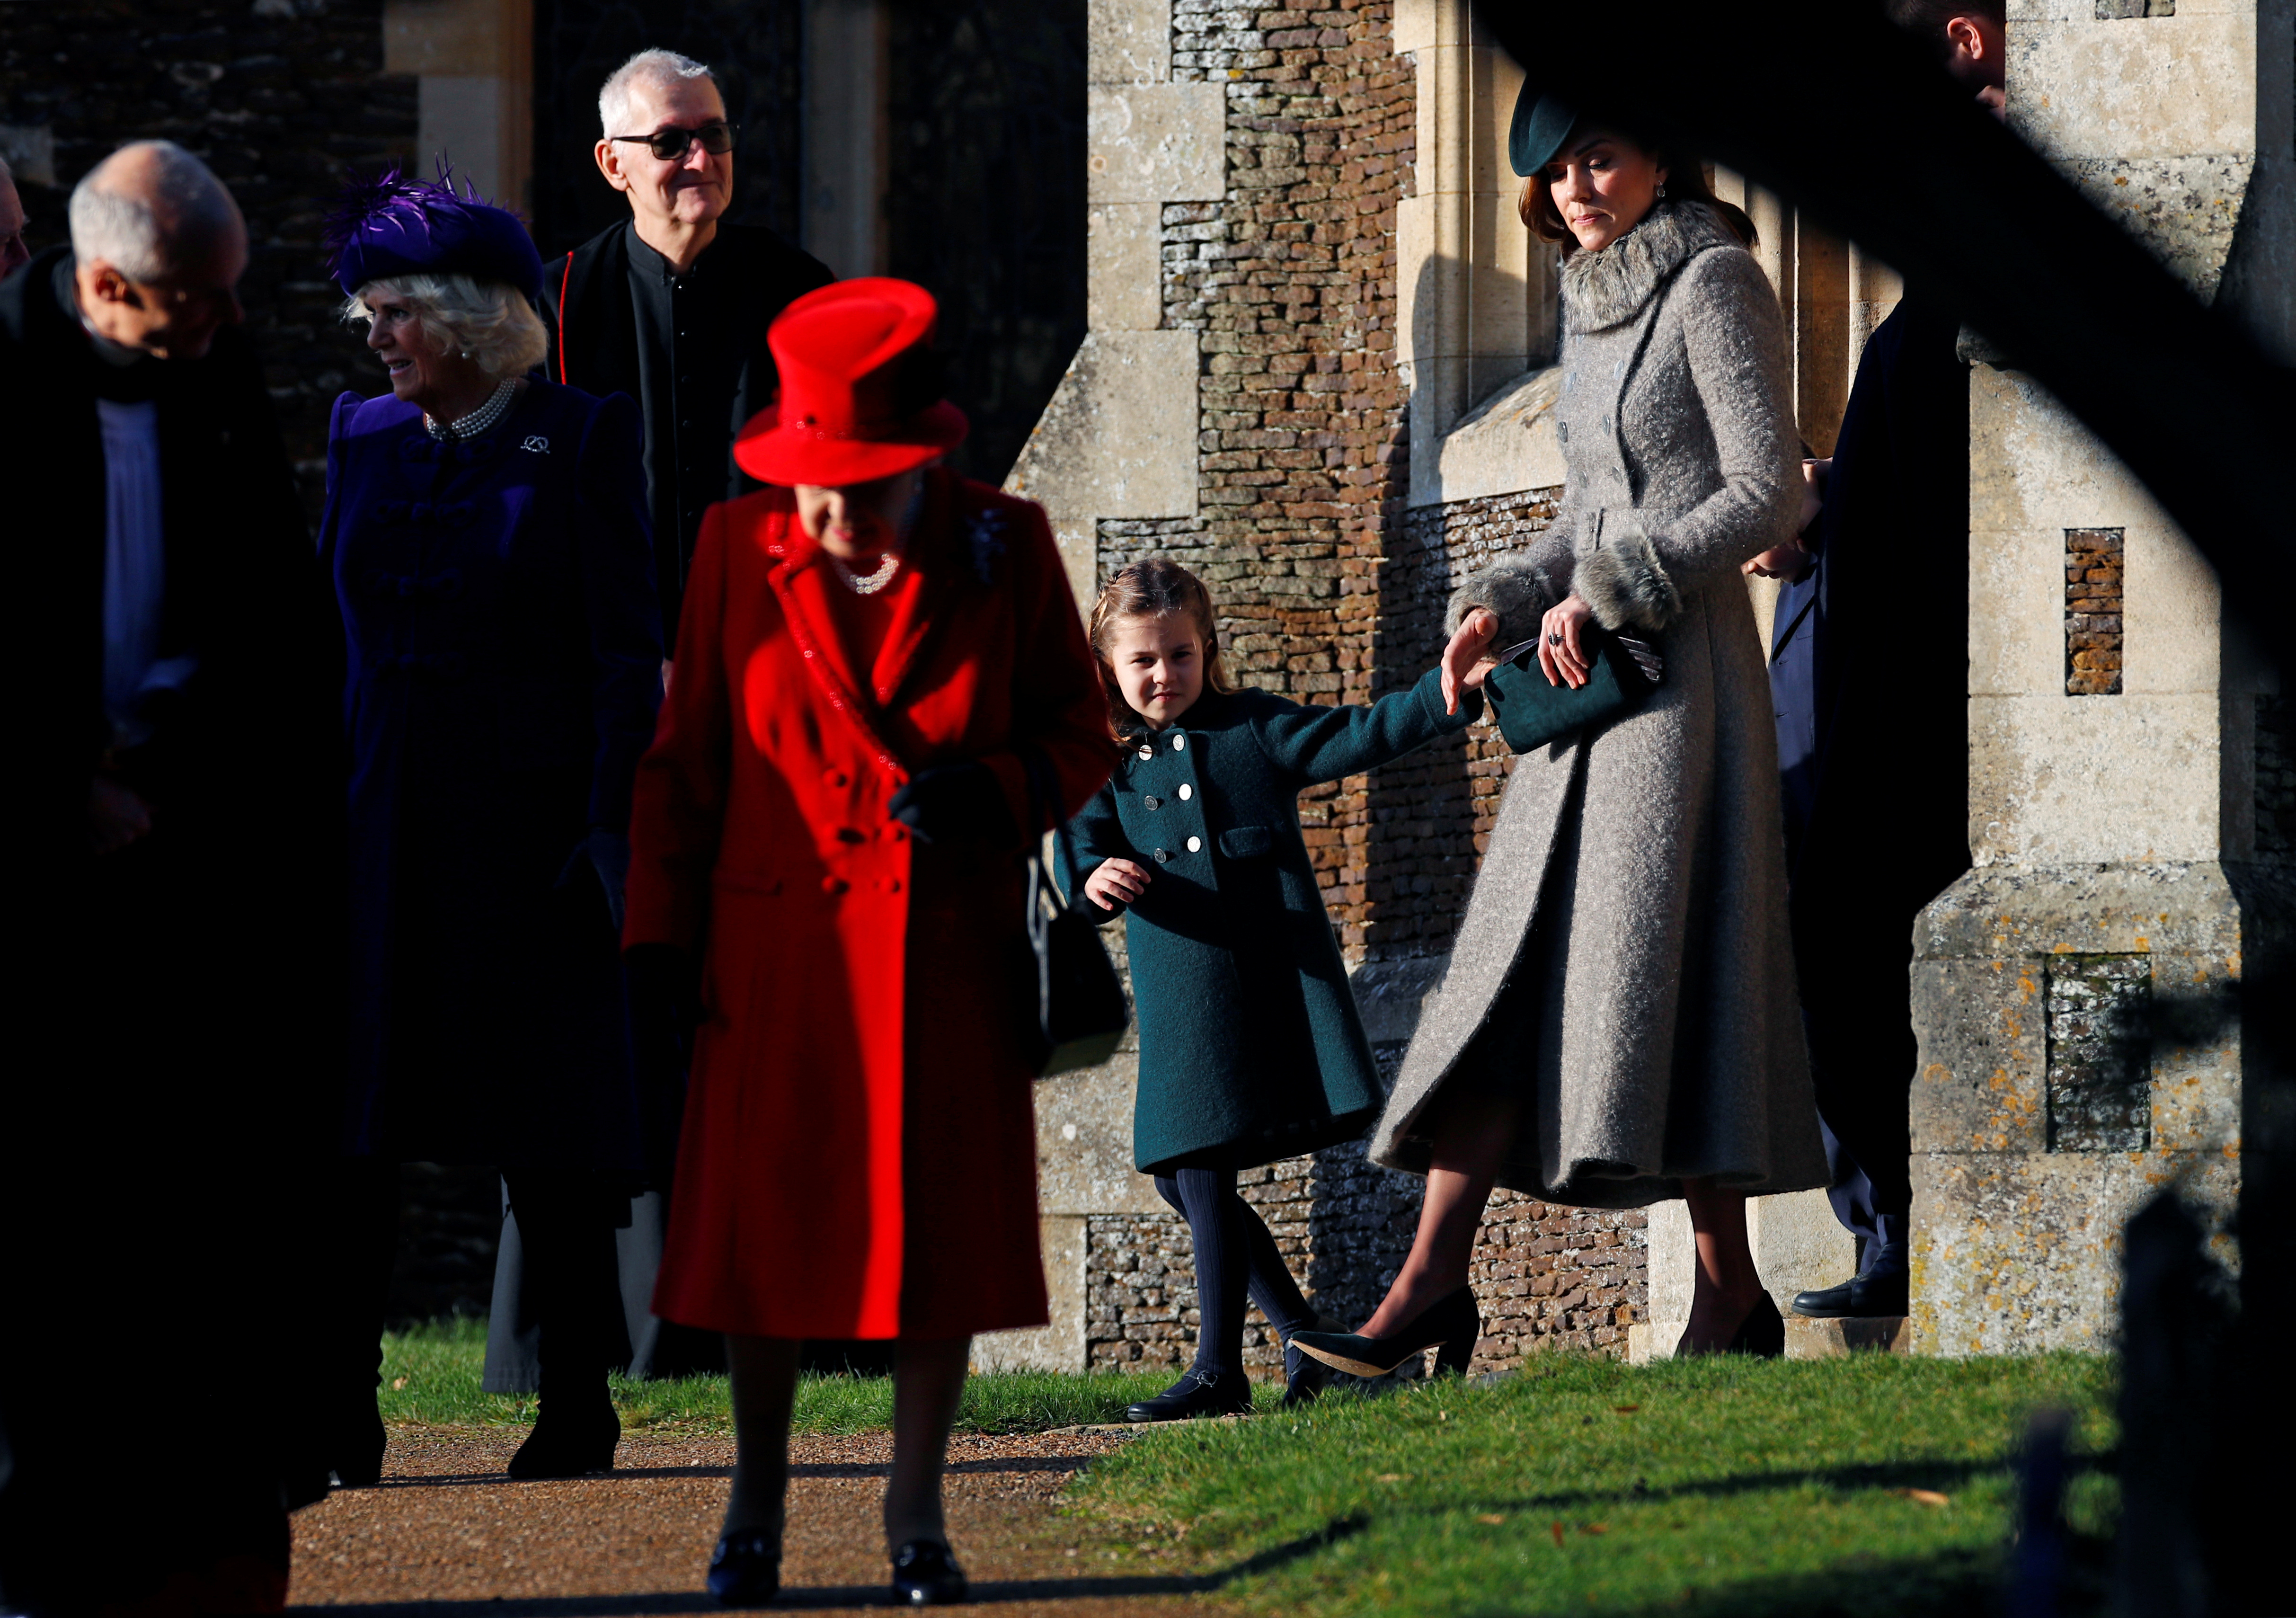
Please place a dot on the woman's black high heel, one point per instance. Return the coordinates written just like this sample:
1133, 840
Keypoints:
1452, 1321
1762, 1333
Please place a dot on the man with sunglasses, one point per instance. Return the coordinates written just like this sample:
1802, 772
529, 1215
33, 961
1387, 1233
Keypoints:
672, 307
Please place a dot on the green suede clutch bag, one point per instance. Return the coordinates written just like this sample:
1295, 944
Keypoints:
1531, 713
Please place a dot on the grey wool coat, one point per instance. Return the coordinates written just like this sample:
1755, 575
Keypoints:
1251, 1045
1624, 964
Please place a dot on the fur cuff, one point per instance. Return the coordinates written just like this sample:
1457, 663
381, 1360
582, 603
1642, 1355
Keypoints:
1520, 595
1624, 583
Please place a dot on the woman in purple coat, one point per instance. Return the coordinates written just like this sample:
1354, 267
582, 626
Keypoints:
487, 538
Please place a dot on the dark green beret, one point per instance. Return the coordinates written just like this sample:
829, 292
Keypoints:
1540, 127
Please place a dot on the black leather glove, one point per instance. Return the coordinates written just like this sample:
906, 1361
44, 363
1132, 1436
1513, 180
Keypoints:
954, 802
606, 855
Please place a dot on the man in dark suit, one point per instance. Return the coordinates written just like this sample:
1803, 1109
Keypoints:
672, 307
176, 798
1869, 671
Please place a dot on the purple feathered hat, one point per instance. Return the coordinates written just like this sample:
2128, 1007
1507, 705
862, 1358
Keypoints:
393, 226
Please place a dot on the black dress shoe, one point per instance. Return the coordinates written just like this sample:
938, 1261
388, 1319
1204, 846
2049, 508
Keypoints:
926, 1574
1762, 1333
1197, 1393
1860, 1298
569, 1443
1451, 1321
355, 1450
745, 1570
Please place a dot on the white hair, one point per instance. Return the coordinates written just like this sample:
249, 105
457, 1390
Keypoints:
139, 226
647, 67
485, 320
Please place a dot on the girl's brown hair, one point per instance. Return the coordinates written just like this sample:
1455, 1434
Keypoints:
1154, 588
1685, 182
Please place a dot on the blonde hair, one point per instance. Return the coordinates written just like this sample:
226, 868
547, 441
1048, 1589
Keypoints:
1154, 588
487, 321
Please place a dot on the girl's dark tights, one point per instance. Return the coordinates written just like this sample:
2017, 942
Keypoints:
1235, 1255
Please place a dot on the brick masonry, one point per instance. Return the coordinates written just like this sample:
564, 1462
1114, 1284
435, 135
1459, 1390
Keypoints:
1330, 589
2093, 579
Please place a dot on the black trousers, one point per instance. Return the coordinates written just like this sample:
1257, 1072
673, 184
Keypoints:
566, 1222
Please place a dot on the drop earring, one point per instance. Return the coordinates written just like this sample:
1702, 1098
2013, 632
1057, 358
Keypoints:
1661, 192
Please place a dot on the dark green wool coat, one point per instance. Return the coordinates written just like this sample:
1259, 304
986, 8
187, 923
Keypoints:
1250, 1042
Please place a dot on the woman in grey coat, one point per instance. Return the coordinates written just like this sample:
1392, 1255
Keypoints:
1619, 1026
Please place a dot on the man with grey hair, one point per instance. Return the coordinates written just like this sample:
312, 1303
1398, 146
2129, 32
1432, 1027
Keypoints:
13, 253
672, 307
174, 789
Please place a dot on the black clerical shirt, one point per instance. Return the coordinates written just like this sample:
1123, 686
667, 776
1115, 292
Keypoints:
688, 363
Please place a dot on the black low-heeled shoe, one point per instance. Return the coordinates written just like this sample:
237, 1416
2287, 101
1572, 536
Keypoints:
925, 1573
745, 1570
569, 1443
1762, 1333
1197, 1393
1451, 1321
356, 1449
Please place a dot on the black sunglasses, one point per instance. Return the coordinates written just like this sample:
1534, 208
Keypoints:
672, 143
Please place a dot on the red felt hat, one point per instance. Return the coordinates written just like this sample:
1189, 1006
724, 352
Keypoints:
860, 397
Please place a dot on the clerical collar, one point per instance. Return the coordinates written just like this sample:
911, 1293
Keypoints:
653, 261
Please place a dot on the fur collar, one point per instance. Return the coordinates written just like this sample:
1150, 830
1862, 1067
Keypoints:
1601, 290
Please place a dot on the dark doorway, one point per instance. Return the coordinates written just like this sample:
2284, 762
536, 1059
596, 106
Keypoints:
752, 48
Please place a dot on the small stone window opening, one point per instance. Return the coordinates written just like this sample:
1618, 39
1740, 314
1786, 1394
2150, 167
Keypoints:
2115, 11
2093, 620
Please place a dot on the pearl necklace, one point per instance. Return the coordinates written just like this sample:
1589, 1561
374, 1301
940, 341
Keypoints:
485, 417
873, 581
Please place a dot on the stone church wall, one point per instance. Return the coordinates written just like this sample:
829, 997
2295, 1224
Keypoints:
1330, 588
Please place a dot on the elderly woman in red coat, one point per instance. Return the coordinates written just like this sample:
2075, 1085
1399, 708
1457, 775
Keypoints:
831, 828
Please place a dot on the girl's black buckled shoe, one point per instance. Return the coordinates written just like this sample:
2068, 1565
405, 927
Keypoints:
1452, 1321
1197, 1393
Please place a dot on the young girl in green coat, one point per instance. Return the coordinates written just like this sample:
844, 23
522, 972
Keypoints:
1250, 1047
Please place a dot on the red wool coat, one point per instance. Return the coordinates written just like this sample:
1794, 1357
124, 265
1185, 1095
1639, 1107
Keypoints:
859, 1150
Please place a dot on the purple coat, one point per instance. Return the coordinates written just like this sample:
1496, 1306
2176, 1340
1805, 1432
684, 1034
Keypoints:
504, 668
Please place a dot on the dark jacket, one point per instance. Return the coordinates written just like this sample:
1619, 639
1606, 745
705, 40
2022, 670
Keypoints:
504, 670
158, 1159
1869, 660
593, 346
1249, 1040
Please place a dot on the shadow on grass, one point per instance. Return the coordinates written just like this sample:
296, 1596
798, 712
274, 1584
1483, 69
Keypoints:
1941, 1475
1950, 1584
997, 1593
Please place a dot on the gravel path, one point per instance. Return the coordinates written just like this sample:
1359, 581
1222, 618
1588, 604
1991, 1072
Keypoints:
447, 1535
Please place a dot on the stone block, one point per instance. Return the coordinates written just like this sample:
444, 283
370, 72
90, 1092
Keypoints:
2185, 209
2165, 87
1084, 1144
1979, 1080
2020, 1253
1164, 142
1128, 42
1504, 446
1839, 1339
1124, 288
1119, 438
1798, 1245
1058, 1345
2056, 779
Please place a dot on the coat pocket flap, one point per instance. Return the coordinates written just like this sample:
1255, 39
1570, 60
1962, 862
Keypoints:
1246, 842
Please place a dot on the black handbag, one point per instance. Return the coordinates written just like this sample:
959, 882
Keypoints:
1531, 712
1079, 1012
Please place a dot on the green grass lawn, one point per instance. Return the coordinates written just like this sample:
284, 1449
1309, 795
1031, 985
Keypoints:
430, 1377
1877, 1484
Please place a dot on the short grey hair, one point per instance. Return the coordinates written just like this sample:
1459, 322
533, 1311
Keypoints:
647, 67
140, 229
485, 320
